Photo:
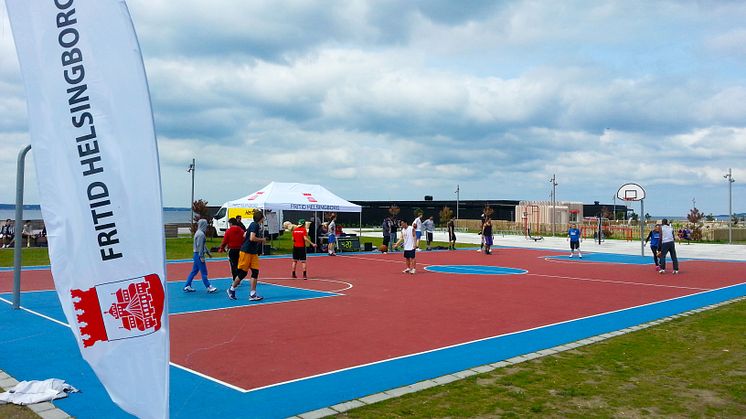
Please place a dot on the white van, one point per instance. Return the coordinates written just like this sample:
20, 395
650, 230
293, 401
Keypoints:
220, 220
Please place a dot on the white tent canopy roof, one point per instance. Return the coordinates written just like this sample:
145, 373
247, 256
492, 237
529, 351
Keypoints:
294, 197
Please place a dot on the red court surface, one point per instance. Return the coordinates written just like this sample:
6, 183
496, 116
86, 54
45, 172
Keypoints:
387, 314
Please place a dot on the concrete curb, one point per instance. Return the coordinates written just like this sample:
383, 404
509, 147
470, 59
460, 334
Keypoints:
45, 410
422, 385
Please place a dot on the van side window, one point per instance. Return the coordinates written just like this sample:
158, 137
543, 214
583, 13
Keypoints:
221, 213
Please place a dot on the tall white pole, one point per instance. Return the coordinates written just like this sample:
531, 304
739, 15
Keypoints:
642, 227
553, 180
729, 176
458, 191
192, 168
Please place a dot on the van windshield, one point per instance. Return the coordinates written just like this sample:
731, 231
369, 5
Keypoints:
221, 213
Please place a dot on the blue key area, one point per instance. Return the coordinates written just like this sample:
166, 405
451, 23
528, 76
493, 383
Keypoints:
46, 302
475, 270
612, 258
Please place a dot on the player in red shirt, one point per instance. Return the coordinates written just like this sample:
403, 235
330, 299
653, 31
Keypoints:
233, 240
300, 239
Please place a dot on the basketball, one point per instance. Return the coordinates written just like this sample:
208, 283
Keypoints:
383, 248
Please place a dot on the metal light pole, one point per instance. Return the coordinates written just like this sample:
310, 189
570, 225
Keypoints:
458, 197
192, 168
614, 210
553, 180
729, 176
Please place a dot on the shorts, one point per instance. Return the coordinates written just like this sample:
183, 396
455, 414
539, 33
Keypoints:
248, 261
386, 240
418, 234
299, 253
429, 236
451, 237
409, 254
574, 245
488, 240
332, 238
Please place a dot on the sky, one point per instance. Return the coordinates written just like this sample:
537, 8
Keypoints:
395, 100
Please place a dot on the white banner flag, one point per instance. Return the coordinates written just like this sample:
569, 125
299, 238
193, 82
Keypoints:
96, 159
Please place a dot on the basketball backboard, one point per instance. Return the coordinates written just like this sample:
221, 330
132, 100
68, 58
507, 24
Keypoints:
631, 192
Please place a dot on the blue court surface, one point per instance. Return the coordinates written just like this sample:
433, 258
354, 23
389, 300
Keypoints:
35, 343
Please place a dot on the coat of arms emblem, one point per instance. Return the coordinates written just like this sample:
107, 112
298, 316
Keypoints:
119, 310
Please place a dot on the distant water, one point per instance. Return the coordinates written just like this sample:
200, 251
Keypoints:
170, 215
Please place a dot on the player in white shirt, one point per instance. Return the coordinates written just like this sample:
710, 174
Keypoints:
409, 238
417, 225
668, 245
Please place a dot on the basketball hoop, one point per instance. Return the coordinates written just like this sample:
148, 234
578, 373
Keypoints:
631, 192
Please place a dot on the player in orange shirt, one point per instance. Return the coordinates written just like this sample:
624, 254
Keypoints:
300, 239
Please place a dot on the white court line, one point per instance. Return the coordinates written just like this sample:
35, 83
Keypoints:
611, 281
384, 260
215, 380
38, 314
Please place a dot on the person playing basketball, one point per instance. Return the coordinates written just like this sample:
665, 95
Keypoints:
654, 237
573, 234
452, 233
668, 245
248, 259
300, 240
408, 237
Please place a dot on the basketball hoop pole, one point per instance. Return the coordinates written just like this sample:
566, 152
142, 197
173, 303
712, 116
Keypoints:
642, 227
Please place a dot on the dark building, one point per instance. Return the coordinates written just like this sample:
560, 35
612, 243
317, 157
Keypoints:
375, 211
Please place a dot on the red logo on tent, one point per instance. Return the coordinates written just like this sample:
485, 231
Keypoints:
310, 197
131, 308
255, 196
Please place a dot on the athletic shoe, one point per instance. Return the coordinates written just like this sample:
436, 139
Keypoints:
662, 271
293, 275
411, 271
255, 297
675, 272
211, 290
231, 294
406, 271
571, 255
305, 277
189, 289
580, 256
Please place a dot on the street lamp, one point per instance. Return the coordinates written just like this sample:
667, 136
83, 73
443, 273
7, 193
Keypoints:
729, 176
458, 192
191, 169
554, 183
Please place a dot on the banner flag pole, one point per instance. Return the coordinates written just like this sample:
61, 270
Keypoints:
96, 158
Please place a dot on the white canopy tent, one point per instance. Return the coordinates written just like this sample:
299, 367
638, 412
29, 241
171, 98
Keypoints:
295, 197
278, 196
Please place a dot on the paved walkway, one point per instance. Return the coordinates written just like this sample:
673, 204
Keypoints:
683, 250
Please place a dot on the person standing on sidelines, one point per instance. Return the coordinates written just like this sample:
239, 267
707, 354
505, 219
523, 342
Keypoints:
7, 233
417, 225
668, 245
573, 234
232, 240
654, 237
386, 229
409, 238
199, 250
248, 258
393, 224
332, 235
429, 227
487, 235
300, 239
451, 233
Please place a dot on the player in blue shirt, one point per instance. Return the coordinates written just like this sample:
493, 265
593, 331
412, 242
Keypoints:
573, 234
654, 237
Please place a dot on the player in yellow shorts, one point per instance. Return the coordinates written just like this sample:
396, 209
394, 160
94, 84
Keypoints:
248, 259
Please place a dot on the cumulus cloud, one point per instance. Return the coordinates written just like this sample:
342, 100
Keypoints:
395, 100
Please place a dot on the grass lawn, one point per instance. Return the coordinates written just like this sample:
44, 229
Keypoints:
690, 367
